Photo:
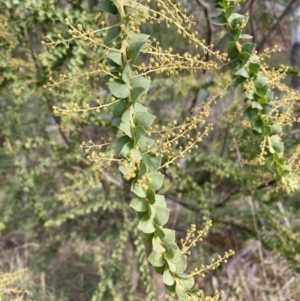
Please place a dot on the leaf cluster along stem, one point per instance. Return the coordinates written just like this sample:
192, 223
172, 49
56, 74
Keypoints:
140, 163
251, 76
138, 156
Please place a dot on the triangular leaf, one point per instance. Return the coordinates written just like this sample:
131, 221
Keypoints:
139, 132
162, 215
140, 86
146, 237
181, 264
251, 113
236, 33
171, 247
160, 270
115, 56
219, 20
276, 129
157, 181
138, 204
157, 245
136, 42
277, 145
119, 143
258, 126
248, 47
168, 279
144, 119
116, 121
126, 116
136, 154
107, 6
229, 10
160, 200
256, 105
139, 108
159, 231
246, 36
242, 72
254, 69
156, 259
119, 88
111, 34
146, 225
153, 162
172, 266
227, 39
151, 196
233, 51
143, 169
127, 72
181, 293
137, 93
145, 144
125, 127
169, 235
236, 16
137, 189
118, 107
126, 149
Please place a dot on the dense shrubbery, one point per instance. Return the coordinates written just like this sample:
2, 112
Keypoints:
104, 129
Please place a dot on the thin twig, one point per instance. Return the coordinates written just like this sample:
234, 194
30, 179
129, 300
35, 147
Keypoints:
275, 25
183, 203
280, 27
225, 140
252, 21
196, 210
245, 7
205, 7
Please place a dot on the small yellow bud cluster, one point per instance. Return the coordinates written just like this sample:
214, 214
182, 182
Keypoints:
138, 16
75, 109
214, 263
104, 158
97, 71
193, 236
267, 52
249, 86
177, 140
163, 60
90, 145
88, 38
144, 180
130, 169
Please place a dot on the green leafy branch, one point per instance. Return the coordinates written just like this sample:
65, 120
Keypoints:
140, 158
258, 86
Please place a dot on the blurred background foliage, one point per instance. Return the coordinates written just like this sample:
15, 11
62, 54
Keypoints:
69, 224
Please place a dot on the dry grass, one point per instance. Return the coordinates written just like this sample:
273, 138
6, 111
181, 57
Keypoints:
254, 274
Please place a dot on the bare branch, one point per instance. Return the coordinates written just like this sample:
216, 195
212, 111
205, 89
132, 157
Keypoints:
276, 24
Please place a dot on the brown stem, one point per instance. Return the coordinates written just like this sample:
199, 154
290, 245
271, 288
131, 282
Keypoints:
252, 21
208, 24
275, 25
